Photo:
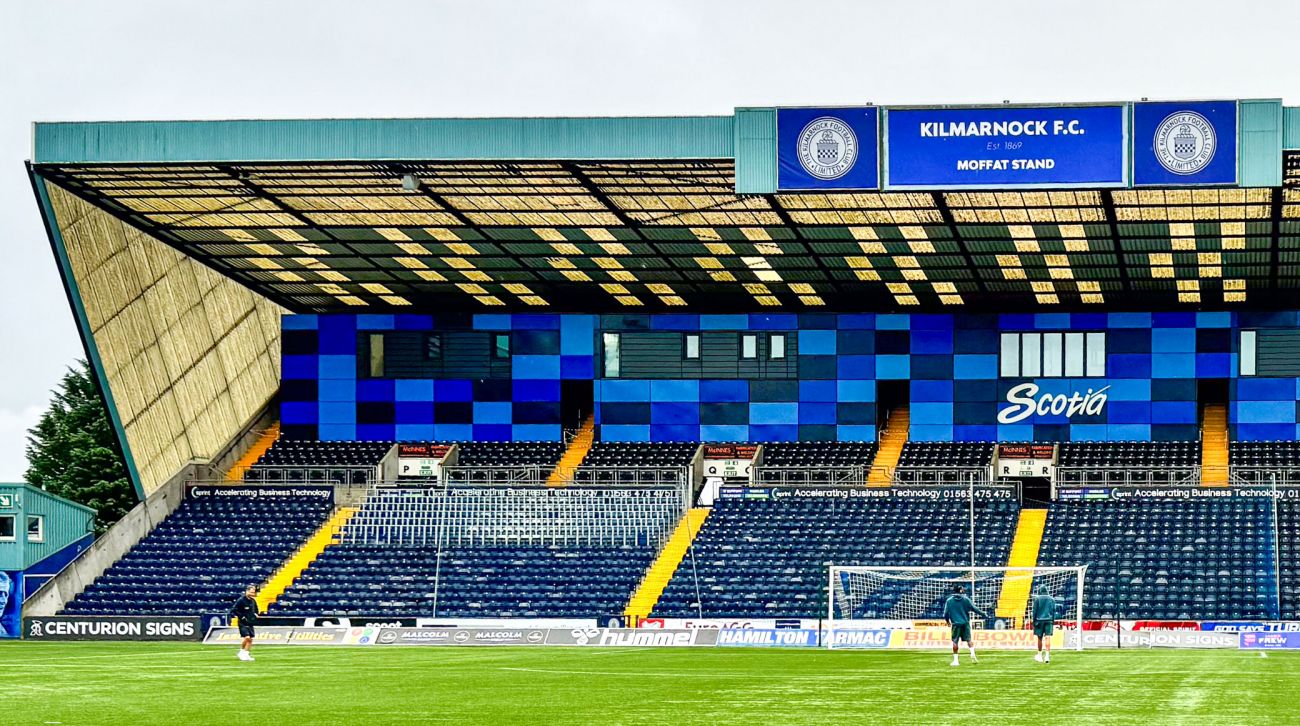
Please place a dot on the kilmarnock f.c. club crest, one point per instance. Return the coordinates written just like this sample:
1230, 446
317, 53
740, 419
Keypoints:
1184, 142
827, 148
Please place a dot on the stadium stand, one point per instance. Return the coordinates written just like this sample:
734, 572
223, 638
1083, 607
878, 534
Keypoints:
339, 461
510, 453
813, 461
504, 553
1110, 462
919, 461
1167, 560
625, 463
1134, 454
1288, 537
768, 558
201, 557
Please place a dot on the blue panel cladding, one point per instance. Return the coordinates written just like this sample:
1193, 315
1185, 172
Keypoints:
950, 364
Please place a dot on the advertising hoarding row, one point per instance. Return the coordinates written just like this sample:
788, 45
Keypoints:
1181, 143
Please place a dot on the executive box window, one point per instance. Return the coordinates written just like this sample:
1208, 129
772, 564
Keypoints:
35, 528
7, 523
776, 346
691, 346
749, 346
1053, 355
612, 343
433, 347
1269, 353
501, 346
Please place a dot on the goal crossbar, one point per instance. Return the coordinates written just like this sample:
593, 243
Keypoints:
901, 593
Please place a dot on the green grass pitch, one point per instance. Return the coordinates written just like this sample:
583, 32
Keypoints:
170, 683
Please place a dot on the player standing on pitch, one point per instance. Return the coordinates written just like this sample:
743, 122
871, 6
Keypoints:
245, 610
1045, 611
957, 610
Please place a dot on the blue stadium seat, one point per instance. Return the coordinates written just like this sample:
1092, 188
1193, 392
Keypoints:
200, 559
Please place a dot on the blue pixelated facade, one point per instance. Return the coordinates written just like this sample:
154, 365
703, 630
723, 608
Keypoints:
1155, 364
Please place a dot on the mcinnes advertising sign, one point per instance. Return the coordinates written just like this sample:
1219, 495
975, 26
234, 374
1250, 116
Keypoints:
111, 628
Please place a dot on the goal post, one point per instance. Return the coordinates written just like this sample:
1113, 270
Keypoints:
857, 593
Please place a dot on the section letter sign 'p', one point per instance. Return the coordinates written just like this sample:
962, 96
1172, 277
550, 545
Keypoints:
827, 148
1006, 147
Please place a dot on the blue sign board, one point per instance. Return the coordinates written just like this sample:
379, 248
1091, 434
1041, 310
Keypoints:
1184, 143
1270, 641
827, 148
1006, 147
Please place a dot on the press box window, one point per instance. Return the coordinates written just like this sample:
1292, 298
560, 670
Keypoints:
433, 347
1053, 355
501, 346
691, 346
749, 346
35, 528
612, 344
776, 346
7, 528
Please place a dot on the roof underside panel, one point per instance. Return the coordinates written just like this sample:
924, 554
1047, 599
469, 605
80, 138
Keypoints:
664, 235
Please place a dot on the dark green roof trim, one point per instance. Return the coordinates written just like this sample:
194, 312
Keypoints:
489, 139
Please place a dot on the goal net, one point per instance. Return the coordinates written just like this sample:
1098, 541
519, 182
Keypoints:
918, 594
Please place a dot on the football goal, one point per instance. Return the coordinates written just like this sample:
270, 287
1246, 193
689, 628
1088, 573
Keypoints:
917, 594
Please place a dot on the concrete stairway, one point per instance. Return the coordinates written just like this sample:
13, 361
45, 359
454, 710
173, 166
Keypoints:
1024, 553
892, 440
661, 571
1214, 445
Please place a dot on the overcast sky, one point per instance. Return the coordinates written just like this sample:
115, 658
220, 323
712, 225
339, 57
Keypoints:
69, 60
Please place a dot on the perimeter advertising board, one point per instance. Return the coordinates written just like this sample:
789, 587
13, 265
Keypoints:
108, 627
1006, 147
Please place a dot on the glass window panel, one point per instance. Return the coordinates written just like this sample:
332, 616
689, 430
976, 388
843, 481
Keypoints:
776, 346
692, 346
1031, 355
1074, 355
612, 355
433, 347
1053, 365
7, 527
1248, 352
1096, 355
749, 346
376, 355
35, 528
501, 346
1010, 355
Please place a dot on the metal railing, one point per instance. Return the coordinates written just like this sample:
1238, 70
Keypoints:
1068, 476
852, 475
941, 475
577, 476
262, 474
1281, 476
501, 516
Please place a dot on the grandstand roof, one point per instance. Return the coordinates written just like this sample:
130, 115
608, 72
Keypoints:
632, 215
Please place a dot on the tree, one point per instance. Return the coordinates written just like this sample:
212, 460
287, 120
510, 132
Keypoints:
72, 451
